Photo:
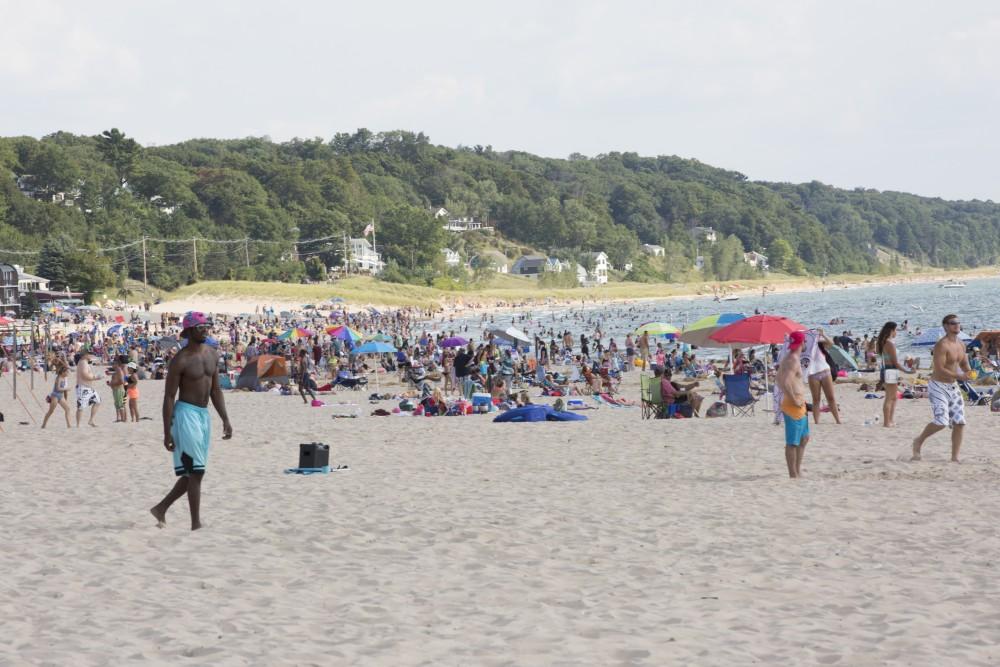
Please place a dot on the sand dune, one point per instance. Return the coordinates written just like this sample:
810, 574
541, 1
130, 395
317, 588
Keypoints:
459, 541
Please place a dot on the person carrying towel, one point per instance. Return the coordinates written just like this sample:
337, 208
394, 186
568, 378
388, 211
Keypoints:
187, 427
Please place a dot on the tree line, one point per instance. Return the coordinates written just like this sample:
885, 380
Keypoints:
114, 190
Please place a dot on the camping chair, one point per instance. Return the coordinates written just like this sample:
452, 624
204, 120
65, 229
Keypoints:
738, 396
972, 396
646, 396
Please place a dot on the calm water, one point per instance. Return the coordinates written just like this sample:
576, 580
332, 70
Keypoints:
862, 309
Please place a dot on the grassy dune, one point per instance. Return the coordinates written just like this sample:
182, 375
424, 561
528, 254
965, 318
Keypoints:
364, 290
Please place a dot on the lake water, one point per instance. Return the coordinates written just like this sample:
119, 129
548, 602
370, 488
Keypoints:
863, 310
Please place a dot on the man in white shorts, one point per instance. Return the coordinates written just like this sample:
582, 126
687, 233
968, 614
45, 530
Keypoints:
85, 392
950, 366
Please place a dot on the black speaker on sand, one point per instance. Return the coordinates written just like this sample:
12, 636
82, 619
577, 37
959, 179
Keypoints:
314, 455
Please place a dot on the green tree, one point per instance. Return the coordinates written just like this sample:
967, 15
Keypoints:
780, 252
119, 152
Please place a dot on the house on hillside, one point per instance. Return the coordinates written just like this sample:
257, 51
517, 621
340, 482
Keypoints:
440, 212
598, 275
451, 258
492, 258
29, 283
706, 233
10, 295
653, 250
530, 265
364, 258
756, 260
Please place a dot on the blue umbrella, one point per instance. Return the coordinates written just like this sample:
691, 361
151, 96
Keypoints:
374, 347
933, 335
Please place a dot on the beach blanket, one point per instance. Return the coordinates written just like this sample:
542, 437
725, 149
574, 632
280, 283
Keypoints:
537, 413
316, 471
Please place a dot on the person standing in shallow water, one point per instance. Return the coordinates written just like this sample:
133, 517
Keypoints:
194, 371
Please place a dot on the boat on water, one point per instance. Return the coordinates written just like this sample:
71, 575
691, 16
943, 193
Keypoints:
952, 284
730, 298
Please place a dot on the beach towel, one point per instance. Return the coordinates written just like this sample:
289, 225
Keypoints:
316, 471
537, 413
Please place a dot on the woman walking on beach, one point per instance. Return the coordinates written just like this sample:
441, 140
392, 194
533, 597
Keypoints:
820, 374
886, 349
60, 390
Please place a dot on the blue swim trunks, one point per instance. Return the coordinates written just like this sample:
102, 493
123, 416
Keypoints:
796, 430
191, 429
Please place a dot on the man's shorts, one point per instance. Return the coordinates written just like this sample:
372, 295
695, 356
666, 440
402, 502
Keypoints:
119, 395
191, 429
86, 396
947, 403
796, 430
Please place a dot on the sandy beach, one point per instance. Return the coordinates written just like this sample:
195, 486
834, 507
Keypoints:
457, 541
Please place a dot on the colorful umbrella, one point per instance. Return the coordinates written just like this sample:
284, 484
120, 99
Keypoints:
757, 330
374, 347
697, 333
295, 333
344, 332
660, 329
454, 341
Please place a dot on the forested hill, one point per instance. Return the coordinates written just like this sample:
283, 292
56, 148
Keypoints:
115, 192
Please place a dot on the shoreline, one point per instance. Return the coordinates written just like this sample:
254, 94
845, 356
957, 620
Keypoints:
214, 297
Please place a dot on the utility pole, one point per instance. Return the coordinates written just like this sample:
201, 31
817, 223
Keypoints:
246, 250
145, 284
194, 245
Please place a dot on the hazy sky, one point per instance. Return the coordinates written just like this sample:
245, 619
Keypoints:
889, 95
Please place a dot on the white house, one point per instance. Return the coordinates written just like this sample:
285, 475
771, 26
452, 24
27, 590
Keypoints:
440, 212
756, 260
493, 257
364, 258
653, 250
451, 258
581, 275
707, 233
29, 283
465, 224
599, 274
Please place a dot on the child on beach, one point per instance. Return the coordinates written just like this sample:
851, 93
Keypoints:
132, 390
793, 405
60, 390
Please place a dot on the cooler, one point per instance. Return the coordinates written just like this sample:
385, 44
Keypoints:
314, 455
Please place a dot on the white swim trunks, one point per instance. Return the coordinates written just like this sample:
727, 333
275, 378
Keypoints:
947, 403
86, 396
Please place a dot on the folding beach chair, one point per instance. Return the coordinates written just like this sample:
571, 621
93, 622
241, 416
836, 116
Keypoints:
972, 396
738, 396
646, 396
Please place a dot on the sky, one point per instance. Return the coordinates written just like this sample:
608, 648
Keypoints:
886, 95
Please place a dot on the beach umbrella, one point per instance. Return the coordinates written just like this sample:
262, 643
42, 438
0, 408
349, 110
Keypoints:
510, 333
698, 332
454, 341
344, 332
374, 347
659, 329
934, 334
757, 330
295, 333
114, 330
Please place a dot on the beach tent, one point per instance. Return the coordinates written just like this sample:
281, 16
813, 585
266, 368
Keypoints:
264, 367
537, 413
510, 333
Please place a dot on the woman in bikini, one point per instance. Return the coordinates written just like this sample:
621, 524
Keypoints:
886, 350
60, 390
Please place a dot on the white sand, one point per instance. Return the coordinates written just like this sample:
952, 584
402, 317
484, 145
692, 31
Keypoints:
459, 541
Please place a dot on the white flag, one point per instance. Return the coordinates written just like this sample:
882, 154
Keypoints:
369, 229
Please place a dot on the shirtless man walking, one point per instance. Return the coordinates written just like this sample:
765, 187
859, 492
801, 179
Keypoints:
793, 404
950, 365
85, 392
187, 424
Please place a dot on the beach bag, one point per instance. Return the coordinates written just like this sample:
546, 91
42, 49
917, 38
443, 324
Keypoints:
717, 409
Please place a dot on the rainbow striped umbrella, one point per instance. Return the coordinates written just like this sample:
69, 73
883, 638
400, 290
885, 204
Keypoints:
295, 333
344, 332
697, 333
659, 329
